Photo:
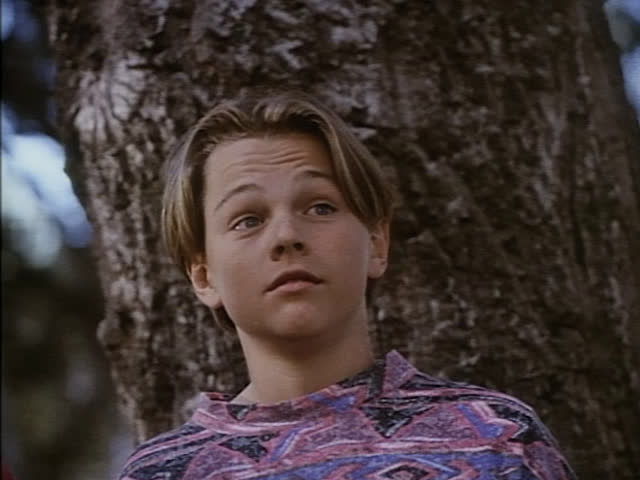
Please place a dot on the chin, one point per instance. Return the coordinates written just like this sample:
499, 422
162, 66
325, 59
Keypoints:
298, 327
293, 324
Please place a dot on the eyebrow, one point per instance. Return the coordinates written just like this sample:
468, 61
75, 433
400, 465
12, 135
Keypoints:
245, 187
311, 173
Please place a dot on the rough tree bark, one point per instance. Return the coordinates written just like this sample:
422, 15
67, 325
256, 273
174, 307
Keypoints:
503, 125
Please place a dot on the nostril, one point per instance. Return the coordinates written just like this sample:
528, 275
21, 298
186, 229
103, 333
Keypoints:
282, 248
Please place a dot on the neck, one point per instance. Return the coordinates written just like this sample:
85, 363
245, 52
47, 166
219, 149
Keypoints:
285, 369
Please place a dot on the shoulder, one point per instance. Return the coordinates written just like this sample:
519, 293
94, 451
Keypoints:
478, 404
167, 455
487, 418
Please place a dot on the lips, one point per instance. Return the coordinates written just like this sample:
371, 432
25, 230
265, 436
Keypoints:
292, 276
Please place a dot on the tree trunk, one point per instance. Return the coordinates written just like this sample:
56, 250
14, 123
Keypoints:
503, 126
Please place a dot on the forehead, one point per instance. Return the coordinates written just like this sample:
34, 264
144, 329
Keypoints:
271, 155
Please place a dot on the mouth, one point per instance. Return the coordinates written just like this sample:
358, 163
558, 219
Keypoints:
295, 279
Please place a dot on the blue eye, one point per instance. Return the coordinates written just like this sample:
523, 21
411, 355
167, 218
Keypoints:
323, 209
246, 223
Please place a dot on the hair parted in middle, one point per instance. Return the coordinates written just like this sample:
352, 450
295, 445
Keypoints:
357, 173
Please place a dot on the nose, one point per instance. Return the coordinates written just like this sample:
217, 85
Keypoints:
287, 238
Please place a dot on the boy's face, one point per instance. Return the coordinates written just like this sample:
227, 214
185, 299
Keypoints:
284, 254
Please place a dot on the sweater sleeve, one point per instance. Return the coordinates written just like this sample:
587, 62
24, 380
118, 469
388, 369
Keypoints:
547, 463
539, 449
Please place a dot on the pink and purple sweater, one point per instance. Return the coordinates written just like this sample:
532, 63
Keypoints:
390, 422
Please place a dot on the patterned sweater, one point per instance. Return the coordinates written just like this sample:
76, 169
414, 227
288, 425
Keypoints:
390, 422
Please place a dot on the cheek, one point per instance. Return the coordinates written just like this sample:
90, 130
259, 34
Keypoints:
238, 271
354, 248
230, 266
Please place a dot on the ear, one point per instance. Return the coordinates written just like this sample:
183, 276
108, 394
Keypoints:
379, 254
202, 283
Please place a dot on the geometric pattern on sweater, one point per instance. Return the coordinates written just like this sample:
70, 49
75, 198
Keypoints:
390, 422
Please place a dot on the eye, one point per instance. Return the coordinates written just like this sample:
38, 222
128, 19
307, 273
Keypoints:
322, 209
246, 223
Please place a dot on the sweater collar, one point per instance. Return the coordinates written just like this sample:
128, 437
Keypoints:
216, 411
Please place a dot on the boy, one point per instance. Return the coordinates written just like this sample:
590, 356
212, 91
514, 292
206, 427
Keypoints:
280, 218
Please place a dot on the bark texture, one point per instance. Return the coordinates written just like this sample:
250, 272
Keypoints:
503, 126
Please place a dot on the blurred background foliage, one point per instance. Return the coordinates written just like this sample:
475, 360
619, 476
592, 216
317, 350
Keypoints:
59, 414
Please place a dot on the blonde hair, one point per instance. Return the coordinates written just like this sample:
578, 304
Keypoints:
357, 174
